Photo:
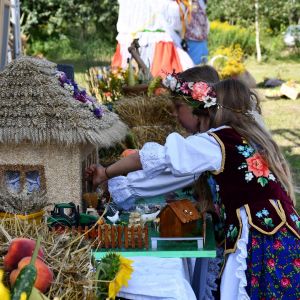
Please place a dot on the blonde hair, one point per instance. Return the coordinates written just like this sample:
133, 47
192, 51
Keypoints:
236, 103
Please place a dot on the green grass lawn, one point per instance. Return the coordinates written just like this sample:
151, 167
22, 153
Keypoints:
281, 116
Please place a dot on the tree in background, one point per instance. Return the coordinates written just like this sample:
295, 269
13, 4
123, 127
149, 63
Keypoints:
78, 20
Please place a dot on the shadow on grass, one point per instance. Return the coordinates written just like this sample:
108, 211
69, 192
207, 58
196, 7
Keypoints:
293, 136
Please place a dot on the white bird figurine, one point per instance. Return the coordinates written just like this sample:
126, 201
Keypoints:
115, 218
149, 217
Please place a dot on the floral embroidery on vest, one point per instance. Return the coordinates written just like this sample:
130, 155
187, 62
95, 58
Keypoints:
295, 219
256, 166
232, 232
263, 217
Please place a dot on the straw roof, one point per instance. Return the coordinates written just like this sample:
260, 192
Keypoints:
35, 108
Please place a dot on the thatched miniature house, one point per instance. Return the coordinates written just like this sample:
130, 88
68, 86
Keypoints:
178, 219
47, 137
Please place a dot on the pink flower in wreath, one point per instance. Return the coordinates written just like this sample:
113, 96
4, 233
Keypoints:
200, 91
254, 281
258, 166
297, 262
277, 245
271, 263
285, 282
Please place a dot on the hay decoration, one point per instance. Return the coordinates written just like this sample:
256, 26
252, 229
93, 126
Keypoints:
23, 202
68, 254
149, 118
34, 107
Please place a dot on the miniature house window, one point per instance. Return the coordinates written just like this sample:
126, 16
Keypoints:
18, 177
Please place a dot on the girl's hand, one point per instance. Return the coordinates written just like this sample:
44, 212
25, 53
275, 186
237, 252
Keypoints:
96, 174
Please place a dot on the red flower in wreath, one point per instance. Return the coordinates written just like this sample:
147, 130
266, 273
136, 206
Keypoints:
285, 282
258, 166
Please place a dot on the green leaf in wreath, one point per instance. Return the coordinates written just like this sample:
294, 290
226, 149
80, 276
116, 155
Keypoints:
268, 222
262, 181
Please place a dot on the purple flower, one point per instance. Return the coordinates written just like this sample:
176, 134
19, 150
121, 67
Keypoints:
98, 112
185, 88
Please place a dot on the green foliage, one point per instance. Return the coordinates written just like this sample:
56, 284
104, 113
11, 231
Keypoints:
225, 35
275, 14
44, 19
106, 271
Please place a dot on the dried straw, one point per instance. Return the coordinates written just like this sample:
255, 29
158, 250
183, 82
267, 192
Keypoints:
34, 107
68, 255
143, 110
23, 202
149, 118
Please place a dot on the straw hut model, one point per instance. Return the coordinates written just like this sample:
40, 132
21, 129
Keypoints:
47, 137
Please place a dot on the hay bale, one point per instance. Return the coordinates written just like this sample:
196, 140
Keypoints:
153, 133
142, 110
149, 118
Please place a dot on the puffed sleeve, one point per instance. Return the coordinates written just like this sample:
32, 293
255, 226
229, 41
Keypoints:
124, 190
183, 156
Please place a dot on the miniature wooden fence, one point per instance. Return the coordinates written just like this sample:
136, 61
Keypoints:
115, 236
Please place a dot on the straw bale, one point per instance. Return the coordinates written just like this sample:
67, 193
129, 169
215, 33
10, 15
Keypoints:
142, 110
34, 107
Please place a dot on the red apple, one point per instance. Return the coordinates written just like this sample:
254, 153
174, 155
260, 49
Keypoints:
19, 248
44, 273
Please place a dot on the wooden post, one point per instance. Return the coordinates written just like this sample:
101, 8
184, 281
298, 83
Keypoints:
139, 235
113, 236
106, 236
132, 236
126, 237
99, 236
146, 243
119, 236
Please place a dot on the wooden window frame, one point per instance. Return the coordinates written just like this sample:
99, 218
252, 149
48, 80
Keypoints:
23, 169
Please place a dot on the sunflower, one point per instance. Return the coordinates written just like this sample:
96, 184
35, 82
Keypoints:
121, 278
113, 272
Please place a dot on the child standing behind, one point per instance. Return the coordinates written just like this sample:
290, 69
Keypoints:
256, 200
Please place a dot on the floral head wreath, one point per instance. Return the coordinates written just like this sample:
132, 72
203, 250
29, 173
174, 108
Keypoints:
198, 93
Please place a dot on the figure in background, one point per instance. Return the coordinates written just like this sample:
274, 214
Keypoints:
155, 24
196, 34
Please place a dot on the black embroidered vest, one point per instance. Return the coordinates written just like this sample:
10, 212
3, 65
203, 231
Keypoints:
246, 181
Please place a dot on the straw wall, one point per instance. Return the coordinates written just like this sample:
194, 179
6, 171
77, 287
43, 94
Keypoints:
62, 167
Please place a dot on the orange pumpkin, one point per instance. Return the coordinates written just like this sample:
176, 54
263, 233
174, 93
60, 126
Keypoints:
127, 152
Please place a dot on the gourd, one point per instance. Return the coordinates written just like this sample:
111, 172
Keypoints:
27, 277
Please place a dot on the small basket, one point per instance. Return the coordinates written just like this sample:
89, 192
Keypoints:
31, 218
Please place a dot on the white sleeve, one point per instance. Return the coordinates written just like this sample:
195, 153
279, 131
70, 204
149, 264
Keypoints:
124, 190
189, 156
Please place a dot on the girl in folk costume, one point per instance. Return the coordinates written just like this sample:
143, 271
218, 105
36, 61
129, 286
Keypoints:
255, 195
155, 24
